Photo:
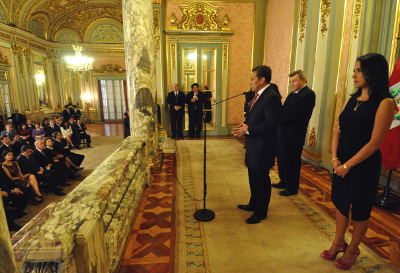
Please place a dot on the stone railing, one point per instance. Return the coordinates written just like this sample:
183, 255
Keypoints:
88, 230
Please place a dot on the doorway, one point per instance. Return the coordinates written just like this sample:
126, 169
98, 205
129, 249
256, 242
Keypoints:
201, 63
113, 99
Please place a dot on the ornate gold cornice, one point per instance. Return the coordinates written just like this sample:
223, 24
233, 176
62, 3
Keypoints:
356, 17
314, 156
312, 139
17, 49
156, 30
157, 2
3, 60
110, 68
303, 19
27, 51
199, 16
325, 11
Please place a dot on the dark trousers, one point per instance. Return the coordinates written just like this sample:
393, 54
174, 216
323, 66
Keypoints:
195, 124
49, 177
260, 186
19, 200
176, 125
83, 136
289, 165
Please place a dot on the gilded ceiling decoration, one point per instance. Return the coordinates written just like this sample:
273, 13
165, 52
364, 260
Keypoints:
80, 21
107, 34
199, 16
56, 7
110, 68
36, 29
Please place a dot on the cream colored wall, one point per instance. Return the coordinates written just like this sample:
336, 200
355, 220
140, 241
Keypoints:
278, 35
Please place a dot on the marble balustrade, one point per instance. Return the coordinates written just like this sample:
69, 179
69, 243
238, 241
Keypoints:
88, 230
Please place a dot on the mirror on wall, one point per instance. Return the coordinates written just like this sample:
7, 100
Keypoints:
39, 66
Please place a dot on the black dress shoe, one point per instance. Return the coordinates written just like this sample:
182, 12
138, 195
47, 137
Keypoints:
254, 219
245, 207
279, 185
89, 146
287, 193
65, 185
59, 193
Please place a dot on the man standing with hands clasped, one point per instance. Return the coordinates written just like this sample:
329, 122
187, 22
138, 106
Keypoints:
195, 100
260, 130
296, 113
176, 101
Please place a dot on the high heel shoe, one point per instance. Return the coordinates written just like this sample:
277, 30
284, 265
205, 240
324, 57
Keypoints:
331, 257
347, 266
38, 199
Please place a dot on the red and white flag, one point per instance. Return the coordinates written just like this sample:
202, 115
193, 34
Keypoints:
390, 147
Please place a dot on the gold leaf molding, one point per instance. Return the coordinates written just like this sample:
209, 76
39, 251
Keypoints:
303, 19
110, 68
356, 17
325, 11
156, 30
312, 139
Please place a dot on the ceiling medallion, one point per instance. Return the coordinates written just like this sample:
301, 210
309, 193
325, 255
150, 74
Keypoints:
78, 63
199, 16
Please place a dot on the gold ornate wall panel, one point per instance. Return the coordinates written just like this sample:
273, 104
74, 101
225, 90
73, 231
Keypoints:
199, 16
303, 19
325, 11
357, 17
156, 30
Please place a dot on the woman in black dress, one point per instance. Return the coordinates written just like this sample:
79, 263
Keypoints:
356, 157
127, 128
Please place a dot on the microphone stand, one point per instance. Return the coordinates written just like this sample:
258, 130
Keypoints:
206, 215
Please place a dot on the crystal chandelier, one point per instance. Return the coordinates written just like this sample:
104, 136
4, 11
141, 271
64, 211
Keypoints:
78, 63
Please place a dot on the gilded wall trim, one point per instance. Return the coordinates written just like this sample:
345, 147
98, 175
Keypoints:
157, 2
28, 65
110, 68
156, 30
3, 60
21, 65
356, 17
173, 53
325, 11
314, 156
303, 19
199, 16
54, 72
17, 49
27, 51
312, 139
225, 55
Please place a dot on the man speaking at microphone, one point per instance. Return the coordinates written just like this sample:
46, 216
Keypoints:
261, 134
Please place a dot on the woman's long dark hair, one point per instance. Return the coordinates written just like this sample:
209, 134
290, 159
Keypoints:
375, 70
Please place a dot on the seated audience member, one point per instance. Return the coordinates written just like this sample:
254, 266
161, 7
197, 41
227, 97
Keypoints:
66, 131
49, 164
15, 197
19, 180
17, 119
58, 121
11, 214
9, 132
79, 130
2, 128
16, 145
28, 165
77, 112
45, 123
50, 153
53, 127
63, 149
38, 133
6, 144
26, 134
30, 125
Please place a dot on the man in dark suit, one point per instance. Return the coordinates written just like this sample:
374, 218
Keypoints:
64, 150
9, 132
28, 164
195, 100
5, 144
176, 101
296, 113
53, 127
29, 125
17, 119
16, 145
79, 130
260, 130
77, 114
66, 113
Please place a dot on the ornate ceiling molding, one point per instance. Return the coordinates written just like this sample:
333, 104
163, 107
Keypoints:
199, 16
82, 19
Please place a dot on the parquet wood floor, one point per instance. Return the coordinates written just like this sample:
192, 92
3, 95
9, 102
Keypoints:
151, 244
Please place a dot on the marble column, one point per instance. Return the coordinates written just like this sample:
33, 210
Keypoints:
140, 71
7, 261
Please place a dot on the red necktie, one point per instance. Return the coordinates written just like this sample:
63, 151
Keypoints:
254, 100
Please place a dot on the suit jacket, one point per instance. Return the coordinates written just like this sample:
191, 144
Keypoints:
17, 118
41, 159
66, 114
49, 130
58, 147
79, 130
28, 165
296, 113
176, 101
197, 106
263, 121
16, 147
11, 134
78, 114
3, 147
